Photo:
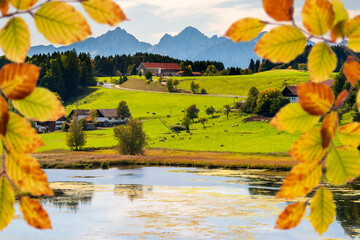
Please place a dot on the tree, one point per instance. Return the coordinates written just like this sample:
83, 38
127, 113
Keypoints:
175, 84
252, 65
123, 110
76, 137
93, 114
169, 85
211, 70
268, 101
140, 74
203, 120
194, 87
148, 75
250, 103
227, 110
131, 138
192, 112
340, 82
210, 111
186, 122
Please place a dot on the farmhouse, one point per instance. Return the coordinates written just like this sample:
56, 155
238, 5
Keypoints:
291, 91
51, 126
108, 117
160, 69
82, 113
193, 73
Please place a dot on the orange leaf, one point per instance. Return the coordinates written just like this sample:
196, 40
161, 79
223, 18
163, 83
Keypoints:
245, 29
352, 27
341, 98
34, 214
279, 10
25, 171
318, 16
358, 100
315, 98
328, 129
349, 134
104, 12
21, 136
291, 216
4, 115
308, 148
352, 70
18, 81
4, 6
302, 179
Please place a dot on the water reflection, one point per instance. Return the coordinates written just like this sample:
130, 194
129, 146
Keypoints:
71, 195
131, 191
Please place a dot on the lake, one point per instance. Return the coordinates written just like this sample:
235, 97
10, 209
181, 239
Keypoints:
176, 203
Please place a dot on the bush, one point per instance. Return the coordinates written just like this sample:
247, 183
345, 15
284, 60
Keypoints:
148, 75
131, 137
169, 85
178, 128
269, 102
76, 137
203, 91
251, 101
186, 122
64, 127
210, 111
192, 112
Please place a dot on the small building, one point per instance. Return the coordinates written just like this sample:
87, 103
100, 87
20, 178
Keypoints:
82, 113
292, 93
50, 126
160, 69
109, 117
181, 73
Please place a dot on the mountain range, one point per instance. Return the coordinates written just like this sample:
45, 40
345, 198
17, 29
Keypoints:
189, 44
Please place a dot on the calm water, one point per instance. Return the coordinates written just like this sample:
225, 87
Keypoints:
175, 203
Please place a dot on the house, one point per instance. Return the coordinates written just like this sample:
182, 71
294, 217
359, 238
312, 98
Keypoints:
50, 126
193, 73
109, 117
82, 113
291, 91
160, 69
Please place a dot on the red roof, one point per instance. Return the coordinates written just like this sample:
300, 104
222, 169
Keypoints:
197, 73
170, 66
293, 90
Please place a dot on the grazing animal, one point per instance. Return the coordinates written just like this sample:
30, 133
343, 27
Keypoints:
226, 131
221, 145
181, 138
207, 136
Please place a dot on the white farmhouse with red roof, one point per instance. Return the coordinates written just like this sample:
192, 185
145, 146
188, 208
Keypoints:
160, 69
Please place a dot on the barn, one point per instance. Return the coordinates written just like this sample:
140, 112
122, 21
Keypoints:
160, 69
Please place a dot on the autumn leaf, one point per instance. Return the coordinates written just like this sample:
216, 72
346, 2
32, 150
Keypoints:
322, 210
4, 6
23, 4
328, 129
245, 29
15, 39
341, 98
352, 28
308, 148
291, 216
318, 16
104, 12
342, 164
21, 136
352, 70
302, 179
281, 44
279, 10
349, 134
25, 171
293, 118
34, 214
18, 81
41, 105
341, 17
60, 23
321, 62
315, 98
358, 100
354, 44
7, 200
4, 116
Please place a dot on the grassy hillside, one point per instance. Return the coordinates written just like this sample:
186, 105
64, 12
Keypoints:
141, 84
144, 104
240, 85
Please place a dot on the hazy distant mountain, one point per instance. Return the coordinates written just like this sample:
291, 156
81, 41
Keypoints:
189, 44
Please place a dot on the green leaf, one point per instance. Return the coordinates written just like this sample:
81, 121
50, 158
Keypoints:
321, 62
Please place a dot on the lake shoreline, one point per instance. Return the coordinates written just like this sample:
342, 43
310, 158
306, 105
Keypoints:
58, 159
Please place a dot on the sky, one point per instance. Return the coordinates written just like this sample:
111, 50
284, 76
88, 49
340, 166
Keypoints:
149, 20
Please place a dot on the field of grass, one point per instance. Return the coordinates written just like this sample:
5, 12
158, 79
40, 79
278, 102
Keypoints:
144, 104
240, 85
141, 84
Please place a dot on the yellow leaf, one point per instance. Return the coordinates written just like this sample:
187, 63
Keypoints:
341, 98
341, 17
302, 179
18, 81
321, 62
293, 118
104, 12
60, 23
21, 136
25, 171
245, 29
352, 28
322, 210
308, 148
352, 70
291, 216
41, 105
15, 39
281, 44
23, 4
315, 98
354, 44
349, 134
358, 100
4, 115
328, 129
7, 200
318, 16
279, 10
342, 164
34, 214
